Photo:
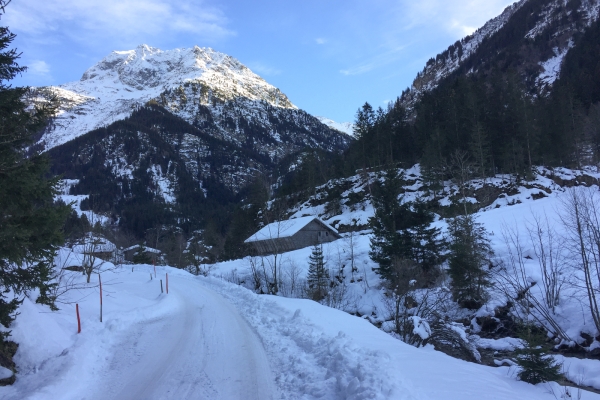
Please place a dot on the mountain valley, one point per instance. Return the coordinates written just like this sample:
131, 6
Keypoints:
465, 213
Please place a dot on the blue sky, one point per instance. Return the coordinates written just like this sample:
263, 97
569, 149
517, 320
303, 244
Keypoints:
328, 56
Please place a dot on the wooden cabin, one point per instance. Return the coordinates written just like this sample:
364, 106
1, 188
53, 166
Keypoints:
282, 236
152, 255
96, 246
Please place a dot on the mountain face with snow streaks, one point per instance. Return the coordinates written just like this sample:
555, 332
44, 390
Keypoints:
211, 91
198, 85
530, 37
161, 137
346, 127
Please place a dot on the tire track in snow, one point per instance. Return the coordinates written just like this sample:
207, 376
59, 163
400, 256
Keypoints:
203, 350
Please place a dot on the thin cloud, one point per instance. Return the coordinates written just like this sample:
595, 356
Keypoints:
455, 16
39, 68
264, 69
374, 62
128, 20
359, 69
320, 41
372, 45
38, 71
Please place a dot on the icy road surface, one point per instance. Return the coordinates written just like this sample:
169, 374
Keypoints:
204, 351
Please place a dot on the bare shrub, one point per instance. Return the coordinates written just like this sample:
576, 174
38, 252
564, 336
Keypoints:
549, 252
529, 299
290, 282
408, 304
581, 218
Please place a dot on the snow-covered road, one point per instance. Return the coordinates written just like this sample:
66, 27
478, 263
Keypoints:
189, 344
210, 339
204, 350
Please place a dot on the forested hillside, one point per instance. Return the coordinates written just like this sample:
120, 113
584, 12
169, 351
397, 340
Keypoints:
522, 91
497, 110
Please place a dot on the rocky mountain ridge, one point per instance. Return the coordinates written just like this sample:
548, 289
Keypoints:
544, 29
175, 137
208, 89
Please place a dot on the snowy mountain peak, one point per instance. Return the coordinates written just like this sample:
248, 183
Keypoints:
125, 80
148, 67
344, 127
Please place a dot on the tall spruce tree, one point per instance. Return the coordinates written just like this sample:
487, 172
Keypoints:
470, 254
402, 231
317, 277
427, 244
387, 244
365, 119
29, 220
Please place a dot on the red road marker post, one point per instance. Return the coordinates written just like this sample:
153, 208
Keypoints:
167, 283
78, 319
100, 280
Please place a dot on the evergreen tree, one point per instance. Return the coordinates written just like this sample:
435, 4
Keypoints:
30, 222
363, 125
141, 256
75, 226
427, 244
317, 277
365, 119
401, 231
470, 254
390, 214
536, 366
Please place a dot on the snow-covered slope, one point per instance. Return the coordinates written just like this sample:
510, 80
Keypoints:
125, 80
509, 216
346, 127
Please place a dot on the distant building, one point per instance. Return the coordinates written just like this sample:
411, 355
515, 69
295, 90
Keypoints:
152, 255
96, 246
293, 234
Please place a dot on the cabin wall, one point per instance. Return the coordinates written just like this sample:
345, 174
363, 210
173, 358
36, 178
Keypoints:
312, 234
272, 246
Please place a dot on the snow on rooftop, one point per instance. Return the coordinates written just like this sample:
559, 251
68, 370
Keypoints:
281, 229
146, 249
94, 244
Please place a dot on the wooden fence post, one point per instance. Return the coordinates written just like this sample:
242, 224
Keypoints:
161, 288
78, 319
167, 283
100, 280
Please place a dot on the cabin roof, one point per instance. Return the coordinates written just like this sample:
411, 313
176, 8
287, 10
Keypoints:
94, 243
146, 249
282, 229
